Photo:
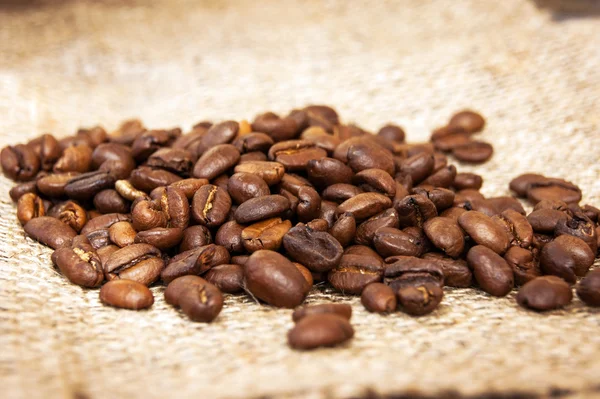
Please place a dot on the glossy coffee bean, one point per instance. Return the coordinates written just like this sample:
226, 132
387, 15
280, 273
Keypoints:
418, 167
75, 158
545, 293
229, 235
201, 302
110, 201
279, 129
21, 189
320, 330
104, 222
567, 257
253, 142
456, 271
295, 155
160, 237
211, 205
341, 192
419, 300
355, 272
473, 152
344, 229
30, 206
147, 179
175, 160
378, 298
266, 234
137, 262
152, 141
319, 251
260, 208
491, 271
309, 204
446, 235
340, 309
441, 178
244, 186
403, 271
122, 234
553, 189
469, 121
85, 186
80, 265
485, 231
19, 162
392, 132
324, 172
580, 226
50, 231
524, 263
194, 237
47, 149
390, 241
363, 206
216, 161
195, 261
414, 210
318, 225
375, 180
517, 226
467, 180
588, 289
126, 294
228, 278
270, 172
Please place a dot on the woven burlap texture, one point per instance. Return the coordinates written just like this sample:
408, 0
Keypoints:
534, 75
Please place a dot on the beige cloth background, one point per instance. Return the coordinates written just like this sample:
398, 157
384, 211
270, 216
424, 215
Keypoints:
534, 74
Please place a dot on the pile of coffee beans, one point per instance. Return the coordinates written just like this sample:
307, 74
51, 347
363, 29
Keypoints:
273, 207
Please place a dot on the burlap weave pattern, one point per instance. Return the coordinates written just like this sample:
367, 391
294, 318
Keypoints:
66, 64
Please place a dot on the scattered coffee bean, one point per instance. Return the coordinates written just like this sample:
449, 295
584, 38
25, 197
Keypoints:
355, 272
588, 289
485, 231
545, 293
320, 330
379, 298
567, 257
126, 294
491, 271
228, 278
50, 231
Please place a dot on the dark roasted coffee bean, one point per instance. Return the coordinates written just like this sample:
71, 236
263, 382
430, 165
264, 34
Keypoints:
344, 229
270, 172
557, 205
588, 289
591, 212
524, 264
491, 271
379, 298
80, 265
47, 149
195, 261
469, 121
122, 234
446, 235
456, 271
99, 238
328, 212
390, 241
308, 277
126, 294
376, 180
279, 129
266, 234
30, 206
109, 201
216, 161
341, 192
86, 185
293, 182
211, 205
453, 213
540, 240
320, 330
260, 208
325, 172
419, 300
189, 186
19, 162
244, 186
392, 132
319, 251
363, 156
355, 272
103, 222
414, 210
137, 262
151, 141
229, 235
451, 141
50, 231
442, 198
320, 115
76, 158
295, 155
127, 132
418, 167
521, 184
579, 226
545, 293
175, 288
567, 257
147, 179
467, 180
473, 152
228, 278
201, 302
159, 237
318, 225
253, 142
174, 160
365, 205
321, 138
442, 178
517, 227
340, 309
553, 189
504, 203
367, 229
403, 271
485, 231
21, 189
147, 214
272, 278
309, 204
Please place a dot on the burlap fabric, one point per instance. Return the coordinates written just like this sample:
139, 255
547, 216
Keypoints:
532, 72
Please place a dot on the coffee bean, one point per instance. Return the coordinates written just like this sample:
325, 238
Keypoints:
344, 229
469, 121
390, 241
340, 309
519, 231
442, 198
295, 155
355, 272
521, 184
253, 142
252, 156
260, 208
567, 257
317, 250
293, 183
279, 129
137, 262
216, 161
21, 189
467, 180
228, 278
126, 294
270, 172
491, 271
50, 231
266, 234
321, 138
115, 158
451, 141
80, 265
421, 299
378, 298
175, 160
504, 203
328, 212
456, 272
441, 178
553, 189
485, 231
418, 167
375, 180
545, 293
75, 158
128, 191
473, 152
211, 205
30, 206
362, 250
19, 162
453, 213
272, 278
147, 179
320, 330
588, 289
341, 192
201, 302
545, 220
414, 210
325, 172
318, 225
365, 205
364, 155
446, 235
392, 132
244, 186
103, 222
524, 264
229, 235
127, 132
85, 186
403, 271
160, 237
109, 201
309, 204
591, 212
194, 237
578, 225
320, 115
122, 234
151, 141
196, 261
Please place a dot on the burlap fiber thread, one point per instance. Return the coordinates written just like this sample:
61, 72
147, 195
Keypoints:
534, 74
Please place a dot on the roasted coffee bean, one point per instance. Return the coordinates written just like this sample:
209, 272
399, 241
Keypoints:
308, 277
567, 257
588, 289
127, 191
270, 172
363, 156
279, 129
321, 115
30, 206
194, 237
319, 251
376, 180
517, 227
229, 235
50, 231
294, 155
118, 156
355, 272
453, 213
365, 205
545, 293
126, 294
19, 162
321, 138
127, 132
174, 160
189, 186
418, 167
216, 161
367, 229
159, 237
491, 271
442, 198
211, 205
318, 225
21, 189
320, 330
80, 265
419, 300
469, 121
521, 184
103, 222
451, 141
47, 150
379, 298
414, 210
340, 309
137, 262
253, 142
260, 208
392, 132
228, 278
109, 201
309, 204
244, 186
591, 212
328, 212
390, 241
540, 240
442, 178
473, 152
325, 172
86, 185
122, 234
553, 189
151, 141
76, 158
293, 183
266, 234
147, 214
344, 229
221, 133
341, 192
504, 203
95, 135
446, 235
557, 205
54, 185
578, 225
467, 180
485, 231
402, 271
469, 195
239, 259
147, 179
272, 278
456, 271
195, 261
178, 286
201, 302
524, 264
252, 157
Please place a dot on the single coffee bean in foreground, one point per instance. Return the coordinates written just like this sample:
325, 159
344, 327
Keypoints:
588, 289
545, 293
378, 298
320, 330
126, 294
491, 271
